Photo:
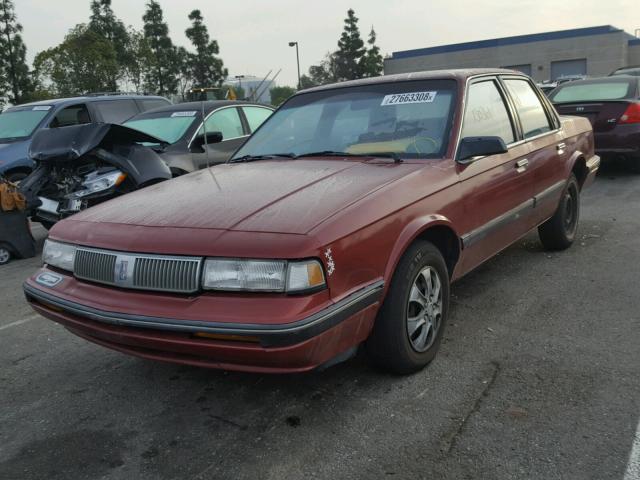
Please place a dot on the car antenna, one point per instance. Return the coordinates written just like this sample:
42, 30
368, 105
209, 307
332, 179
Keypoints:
206, 145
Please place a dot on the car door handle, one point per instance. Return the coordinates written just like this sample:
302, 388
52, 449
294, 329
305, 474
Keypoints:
560, 146
521, 165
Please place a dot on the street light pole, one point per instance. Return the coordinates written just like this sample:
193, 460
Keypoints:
239, 78
295, 44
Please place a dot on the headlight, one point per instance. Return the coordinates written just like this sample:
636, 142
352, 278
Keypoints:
61, 255
262, 275
95, 183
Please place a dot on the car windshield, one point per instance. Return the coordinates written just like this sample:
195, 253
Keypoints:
410, 119
167, 126
20, 122
586, 92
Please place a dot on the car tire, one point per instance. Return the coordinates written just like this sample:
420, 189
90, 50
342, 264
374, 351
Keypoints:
409, 326
5, 256
559, 232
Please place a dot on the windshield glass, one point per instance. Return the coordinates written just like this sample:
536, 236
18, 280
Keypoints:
167, 126
20, 122
585, 92
411, 119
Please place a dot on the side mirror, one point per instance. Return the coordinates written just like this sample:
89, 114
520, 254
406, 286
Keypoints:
199, 141
479, 147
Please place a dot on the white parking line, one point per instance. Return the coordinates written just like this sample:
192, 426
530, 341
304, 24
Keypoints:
19, 322
633, 467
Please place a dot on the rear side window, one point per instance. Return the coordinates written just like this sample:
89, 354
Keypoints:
486, 114
587, 92
151, 103
116, 111
73, 115
255, 116
533, 116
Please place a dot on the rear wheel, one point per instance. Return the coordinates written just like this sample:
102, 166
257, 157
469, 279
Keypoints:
411, 321
559, 232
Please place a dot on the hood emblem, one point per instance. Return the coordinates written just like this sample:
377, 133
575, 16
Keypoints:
331, 266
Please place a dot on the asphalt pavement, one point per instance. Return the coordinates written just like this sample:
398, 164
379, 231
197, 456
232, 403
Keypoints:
538, 378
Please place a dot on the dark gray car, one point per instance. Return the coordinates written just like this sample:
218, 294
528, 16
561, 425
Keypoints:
228, 124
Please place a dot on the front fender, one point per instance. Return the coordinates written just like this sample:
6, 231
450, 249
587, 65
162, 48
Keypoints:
25, 163
411, 231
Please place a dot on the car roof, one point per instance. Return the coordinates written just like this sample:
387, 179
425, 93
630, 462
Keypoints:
608, 79
207, 105
461, 74
91, 98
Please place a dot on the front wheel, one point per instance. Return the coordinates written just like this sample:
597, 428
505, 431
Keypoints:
5, 256
411, 321
559, 232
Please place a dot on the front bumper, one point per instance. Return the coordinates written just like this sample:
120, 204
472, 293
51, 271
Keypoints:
296, 346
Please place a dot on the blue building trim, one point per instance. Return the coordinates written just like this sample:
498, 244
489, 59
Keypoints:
634, 41
501, 42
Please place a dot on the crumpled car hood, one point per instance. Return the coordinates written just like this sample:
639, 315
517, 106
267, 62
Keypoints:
278, 196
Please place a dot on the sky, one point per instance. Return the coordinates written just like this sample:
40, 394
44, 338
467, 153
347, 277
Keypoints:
254, 34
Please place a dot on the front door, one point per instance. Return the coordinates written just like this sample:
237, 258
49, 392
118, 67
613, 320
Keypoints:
226, 121
497, 189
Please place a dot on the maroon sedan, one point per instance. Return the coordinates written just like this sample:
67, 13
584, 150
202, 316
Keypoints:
340, 223
612, 105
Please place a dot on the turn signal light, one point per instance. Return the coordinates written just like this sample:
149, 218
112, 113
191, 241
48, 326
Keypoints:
631, 114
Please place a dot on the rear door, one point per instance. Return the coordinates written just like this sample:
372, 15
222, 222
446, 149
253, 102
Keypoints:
497, 189
547, 151
255, 116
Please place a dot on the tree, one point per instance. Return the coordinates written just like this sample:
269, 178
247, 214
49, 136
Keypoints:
14, 72
162, 76
350, 51
325, 72
185, 81
280, 94
104, 22
372, 62
83, 62
137, 67
207, 69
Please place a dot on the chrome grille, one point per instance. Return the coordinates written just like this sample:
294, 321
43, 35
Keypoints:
139, 271
166, 274
96, 266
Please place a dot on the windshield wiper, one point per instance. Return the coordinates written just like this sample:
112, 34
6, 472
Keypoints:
331, 153
253, 158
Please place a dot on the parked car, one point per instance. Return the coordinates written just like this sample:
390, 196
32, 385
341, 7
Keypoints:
634, 71
228, 125
340, 222
569, 78
82, 165
547, 87
612, 105
18, 124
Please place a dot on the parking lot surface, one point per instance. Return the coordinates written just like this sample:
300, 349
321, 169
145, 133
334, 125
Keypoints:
537, 378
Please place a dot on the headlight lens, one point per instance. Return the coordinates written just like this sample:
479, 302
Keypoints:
61, 255
262, 275
98, 183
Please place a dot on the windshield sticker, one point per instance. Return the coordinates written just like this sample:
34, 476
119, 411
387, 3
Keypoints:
413, 97
39, 108
184, 114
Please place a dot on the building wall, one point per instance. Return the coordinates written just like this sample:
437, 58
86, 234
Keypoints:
603, 53
633, 52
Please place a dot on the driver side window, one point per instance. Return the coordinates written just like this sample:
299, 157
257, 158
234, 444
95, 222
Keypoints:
73, 115
486, 114
226, 121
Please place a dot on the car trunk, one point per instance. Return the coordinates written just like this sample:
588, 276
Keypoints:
603, 116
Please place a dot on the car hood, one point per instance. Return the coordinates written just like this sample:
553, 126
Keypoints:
12, 151
276, 196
